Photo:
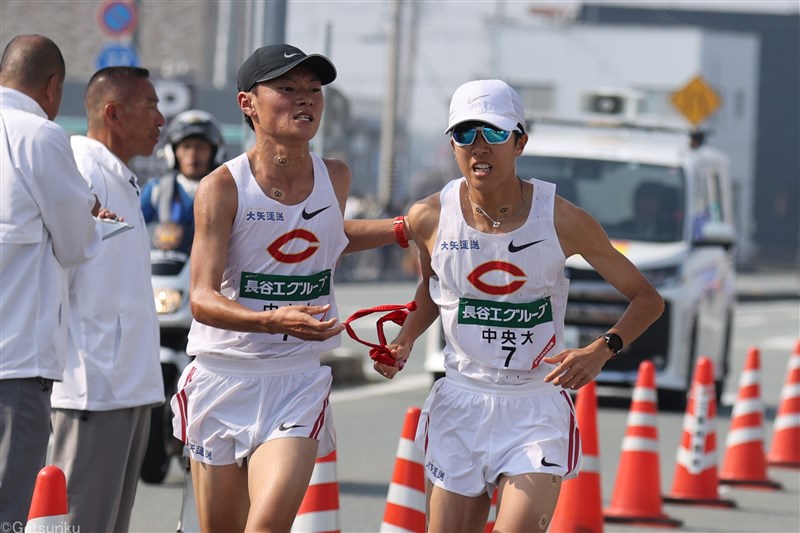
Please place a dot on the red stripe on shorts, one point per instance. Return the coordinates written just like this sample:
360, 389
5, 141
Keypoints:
574, 447
181, 396
183, 405
320, 421
427, 423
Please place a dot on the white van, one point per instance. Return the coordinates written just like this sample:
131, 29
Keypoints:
665, 200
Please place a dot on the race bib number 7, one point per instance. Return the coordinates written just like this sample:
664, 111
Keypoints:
508, 335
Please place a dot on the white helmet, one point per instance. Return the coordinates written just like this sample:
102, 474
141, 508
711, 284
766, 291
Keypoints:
194, 123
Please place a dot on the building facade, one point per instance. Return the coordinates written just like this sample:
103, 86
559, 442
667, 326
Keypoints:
776, 190
563, 66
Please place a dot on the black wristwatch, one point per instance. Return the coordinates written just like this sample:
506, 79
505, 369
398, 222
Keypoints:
613, 341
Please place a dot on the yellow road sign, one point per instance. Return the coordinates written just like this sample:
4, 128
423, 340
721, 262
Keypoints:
697, 100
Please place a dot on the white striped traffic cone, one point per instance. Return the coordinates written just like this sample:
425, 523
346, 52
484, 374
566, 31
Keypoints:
745, 464
695, 481
785, 450
637, 490
319, 512
405, 502
492, 514
48, 510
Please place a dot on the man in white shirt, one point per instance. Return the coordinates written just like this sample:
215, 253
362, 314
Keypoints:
45, 227
101, 410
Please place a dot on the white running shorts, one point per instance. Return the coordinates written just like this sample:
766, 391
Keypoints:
471, 436
224, 417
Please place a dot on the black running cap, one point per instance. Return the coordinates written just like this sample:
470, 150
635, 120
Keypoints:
275, 60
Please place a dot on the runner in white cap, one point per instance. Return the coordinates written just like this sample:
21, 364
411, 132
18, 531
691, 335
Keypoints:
492, 250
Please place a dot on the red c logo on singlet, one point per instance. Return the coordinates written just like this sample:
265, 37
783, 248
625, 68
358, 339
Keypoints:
274, 249
514, 270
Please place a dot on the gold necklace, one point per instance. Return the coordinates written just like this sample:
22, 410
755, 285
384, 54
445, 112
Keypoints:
503, 209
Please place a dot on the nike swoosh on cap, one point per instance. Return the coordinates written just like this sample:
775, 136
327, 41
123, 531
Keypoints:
473, 98
312, 214
287, 56
514, 248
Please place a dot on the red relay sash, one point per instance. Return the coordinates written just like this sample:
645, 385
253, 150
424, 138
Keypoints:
397, 314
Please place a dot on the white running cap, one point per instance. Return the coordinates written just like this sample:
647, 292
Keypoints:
491, 101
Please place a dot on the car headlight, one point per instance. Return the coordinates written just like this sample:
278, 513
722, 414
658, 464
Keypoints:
167, 300
662, 277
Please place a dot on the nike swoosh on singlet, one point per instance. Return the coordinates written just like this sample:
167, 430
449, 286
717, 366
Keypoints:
312, 214
286, 427
513, 248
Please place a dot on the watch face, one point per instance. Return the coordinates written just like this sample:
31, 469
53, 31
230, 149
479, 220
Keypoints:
614, 341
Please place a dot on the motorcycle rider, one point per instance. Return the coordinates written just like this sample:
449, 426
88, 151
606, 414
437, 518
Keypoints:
194, 147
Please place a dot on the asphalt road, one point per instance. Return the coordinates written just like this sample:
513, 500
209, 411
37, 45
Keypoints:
369, 417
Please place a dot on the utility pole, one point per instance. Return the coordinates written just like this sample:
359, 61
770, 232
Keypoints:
222, 46
268, 27
274, 22
319, 140
388, 121
406, 81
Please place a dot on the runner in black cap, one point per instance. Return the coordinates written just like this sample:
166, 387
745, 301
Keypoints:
269, 230
272, 61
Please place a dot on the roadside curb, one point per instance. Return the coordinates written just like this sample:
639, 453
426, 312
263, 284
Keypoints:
767, 285
766, 297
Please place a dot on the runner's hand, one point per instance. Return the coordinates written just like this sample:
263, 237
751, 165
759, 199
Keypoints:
299, 321
400, 354
578, 367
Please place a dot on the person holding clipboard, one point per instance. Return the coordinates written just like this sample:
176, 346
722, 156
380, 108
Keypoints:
101, 409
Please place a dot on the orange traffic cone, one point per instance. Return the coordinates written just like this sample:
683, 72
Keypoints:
695, 480
637, 491
405, 502
785, 450
319, 512
49, 504
580, 505
492, 514
745, 464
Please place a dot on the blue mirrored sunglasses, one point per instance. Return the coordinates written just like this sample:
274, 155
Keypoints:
466, 136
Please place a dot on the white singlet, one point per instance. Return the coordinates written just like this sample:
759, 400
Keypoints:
278, 255
502, 298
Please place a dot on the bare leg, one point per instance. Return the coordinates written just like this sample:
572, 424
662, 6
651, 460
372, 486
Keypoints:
222, 499
525, 503
449, 512
278, 475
